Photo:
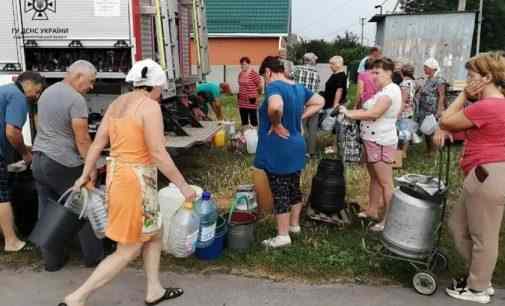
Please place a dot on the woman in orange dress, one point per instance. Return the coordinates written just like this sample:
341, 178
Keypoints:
133, 126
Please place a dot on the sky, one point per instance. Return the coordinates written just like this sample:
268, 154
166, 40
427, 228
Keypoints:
315, 19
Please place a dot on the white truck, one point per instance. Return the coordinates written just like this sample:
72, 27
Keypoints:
47, 35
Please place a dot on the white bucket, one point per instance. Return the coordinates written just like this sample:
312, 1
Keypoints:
171, 199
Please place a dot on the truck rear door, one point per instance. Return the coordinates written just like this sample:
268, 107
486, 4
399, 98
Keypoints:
10, 57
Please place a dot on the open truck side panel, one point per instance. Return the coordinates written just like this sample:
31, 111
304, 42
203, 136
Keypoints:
48, 35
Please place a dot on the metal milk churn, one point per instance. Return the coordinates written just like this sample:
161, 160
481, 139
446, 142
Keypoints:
414, 216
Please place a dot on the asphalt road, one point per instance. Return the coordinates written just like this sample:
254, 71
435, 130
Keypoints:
30, 288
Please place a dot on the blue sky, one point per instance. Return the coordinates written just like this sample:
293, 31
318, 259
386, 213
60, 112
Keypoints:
327, 18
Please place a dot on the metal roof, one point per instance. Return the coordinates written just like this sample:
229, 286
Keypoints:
248, 17
379, 17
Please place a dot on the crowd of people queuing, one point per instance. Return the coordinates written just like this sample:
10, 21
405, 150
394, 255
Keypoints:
390, 99
390, 102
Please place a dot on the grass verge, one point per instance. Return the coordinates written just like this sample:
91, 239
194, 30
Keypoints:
322, 253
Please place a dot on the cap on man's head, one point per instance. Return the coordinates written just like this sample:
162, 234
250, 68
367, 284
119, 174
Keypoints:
146, 73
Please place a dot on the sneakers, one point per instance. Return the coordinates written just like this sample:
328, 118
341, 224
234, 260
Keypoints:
459, 290
460, 283
490, 291
296, 229
277, 242
467, 294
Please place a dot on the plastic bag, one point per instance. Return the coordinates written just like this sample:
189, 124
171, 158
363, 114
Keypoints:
429, 125
329, 122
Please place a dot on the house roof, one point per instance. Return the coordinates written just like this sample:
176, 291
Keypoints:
379, 17
247, 17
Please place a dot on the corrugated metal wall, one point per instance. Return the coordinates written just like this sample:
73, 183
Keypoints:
446, 37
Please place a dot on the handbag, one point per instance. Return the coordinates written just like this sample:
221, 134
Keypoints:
349, 141
95, 210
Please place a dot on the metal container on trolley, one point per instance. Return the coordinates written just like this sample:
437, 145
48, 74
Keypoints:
414, 217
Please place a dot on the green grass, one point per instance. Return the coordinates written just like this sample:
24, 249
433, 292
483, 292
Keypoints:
323, 253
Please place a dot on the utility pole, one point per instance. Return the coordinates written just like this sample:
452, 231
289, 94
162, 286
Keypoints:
362, 30
479, 29
462, 5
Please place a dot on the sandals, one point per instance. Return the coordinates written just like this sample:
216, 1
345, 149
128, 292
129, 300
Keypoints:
25, 248
364, 215
377, 227
170, 293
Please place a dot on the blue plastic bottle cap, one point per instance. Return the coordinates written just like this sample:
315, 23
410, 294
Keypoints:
206, 196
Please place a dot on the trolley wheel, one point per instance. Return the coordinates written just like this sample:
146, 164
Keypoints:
425, 283
440, 262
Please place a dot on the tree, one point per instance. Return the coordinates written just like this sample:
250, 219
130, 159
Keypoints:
347, 46
493, 27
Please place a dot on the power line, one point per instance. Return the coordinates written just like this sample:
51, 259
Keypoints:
335, 31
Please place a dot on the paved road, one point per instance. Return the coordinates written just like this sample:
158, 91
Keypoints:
28, 288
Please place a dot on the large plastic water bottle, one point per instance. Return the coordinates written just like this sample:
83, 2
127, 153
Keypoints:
206, 209
183, 231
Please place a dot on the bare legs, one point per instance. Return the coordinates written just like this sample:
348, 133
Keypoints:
374, 194
384, 176
151, 255
110, 267
12, 242
288, 219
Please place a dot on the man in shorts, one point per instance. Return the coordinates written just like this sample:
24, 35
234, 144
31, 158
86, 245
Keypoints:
13, 113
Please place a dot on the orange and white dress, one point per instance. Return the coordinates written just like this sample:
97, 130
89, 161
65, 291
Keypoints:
134, 214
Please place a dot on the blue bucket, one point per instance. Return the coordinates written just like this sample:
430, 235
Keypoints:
215, 250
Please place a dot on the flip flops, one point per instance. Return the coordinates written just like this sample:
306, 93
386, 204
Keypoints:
25, 248
170, 293
377, 228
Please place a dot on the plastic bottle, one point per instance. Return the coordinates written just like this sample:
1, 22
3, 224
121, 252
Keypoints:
251, 137
206, 210
184, 231
220, 139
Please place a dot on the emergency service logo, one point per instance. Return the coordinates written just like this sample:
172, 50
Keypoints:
40, 8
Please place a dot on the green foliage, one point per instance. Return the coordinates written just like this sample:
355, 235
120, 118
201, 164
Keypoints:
493, 27
347, 46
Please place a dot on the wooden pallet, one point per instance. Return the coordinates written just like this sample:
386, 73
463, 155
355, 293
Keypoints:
196, 135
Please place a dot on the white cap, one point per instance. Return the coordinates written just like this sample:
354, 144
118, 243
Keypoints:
432, 63
146, 73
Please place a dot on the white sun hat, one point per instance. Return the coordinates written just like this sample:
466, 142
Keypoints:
146, 73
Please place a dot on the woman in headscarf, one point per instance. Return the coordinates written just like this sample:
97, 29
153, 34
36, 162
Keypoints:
133, 126
431, 96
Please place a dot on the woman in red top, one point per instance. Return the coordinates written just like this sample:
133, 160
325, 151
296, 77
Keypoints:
250, 85
475, 221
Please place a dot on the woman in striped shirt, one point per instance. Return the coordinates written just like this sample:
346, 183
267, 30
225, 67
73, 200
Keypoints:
250, 86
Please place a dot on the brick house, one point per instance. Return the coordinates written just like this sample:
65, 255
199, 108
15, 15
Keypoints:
253, 28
